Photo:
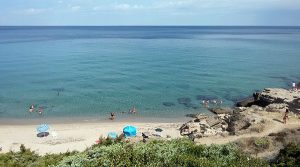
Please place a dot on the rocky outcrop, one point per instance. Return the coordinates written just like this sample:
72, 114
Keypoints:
278, 99
203, 126
221, 110
240, 120
274, 99
278, 95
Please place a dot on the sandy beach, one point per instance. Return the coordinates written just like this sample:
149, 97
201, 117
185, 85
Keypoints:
73, 136
79, 136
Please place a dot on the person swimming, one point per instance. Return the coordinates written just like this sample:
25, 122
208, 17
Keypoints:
132, 110
40, 110
112, 116
31, 108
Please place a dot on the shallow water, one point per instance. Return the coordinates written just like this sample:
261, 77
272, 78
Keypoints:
92, 71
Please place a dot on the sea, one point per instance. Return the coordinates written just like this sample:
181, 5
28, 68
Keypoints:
162, 71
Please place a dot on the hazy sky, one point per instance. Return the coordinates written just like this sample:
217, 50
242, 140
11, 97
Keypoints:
150, 12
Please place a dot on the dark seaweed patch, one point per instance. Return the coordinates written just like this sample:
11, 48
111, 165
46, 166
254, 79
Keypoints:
168, 104
203, 97
191, 105
184, 100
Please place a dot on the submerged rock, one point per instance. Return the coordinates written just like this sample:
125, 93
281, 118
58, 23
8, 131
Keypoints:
168, 104
203, 97
190, 105
184, 100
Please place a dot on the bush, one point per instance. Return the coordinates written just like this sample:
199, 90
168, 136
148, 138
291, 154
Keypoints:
171, 153
261, 143
288, 156
161, 153
25, 158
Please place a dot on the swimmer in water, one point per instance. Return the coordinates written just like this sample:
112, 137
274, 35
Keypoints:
40, 110
112, 116
31, 108
133, 111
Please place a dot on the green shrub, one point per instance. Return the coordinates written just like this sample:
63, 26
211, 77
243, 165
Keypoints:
288, 156
171, 153
261, 144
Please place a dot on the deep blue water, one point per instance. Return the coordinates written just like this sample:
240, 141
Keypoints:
97, 70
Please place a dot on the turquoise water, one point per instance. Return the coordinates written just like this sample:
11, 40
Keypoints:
92, 71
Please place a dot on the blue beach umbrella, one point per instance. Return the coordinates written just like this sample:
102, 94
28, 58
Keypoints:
112, 135
42, 128
129, 131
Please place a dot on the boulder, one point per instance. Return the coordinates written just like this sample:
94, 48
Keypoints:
220, 110
189, 127
276, 107
257, 108
247, 102
237, 122
294, 106
209, 132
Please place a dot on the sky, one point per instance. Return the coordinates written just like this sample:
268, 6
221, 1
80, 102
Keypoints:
150, 12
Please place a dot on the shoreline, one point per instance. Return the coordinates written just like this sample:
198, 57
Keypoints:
72, 120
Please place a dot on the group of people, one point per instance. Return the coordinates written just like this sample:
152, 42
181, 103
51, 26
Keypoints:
131, 111
31, 109
205, 103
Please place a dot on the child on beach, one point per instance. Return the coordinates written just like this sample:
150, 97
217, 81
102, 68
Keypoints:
285, 117
31, 108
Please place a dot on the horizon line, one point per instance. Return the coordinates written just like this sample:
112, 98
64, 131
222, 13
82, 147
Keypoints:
149, 25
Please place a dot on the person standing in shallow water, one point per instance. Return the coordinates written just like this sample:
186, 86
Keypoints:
112, 115
133, 111
31, 108
285, 117
40, 110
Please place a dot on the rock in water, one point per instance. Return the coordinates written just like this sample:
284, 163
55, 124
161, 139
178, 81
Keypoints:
247, 102
190, 105
168, 104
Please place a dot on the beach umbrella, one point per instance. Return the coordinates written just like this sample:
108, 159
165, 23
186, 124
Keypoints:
112, 135
42, 134
42, 128
129, 131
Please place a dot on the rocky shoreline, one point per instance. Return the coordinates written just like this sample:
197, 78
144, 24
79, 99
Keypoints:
245, 117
